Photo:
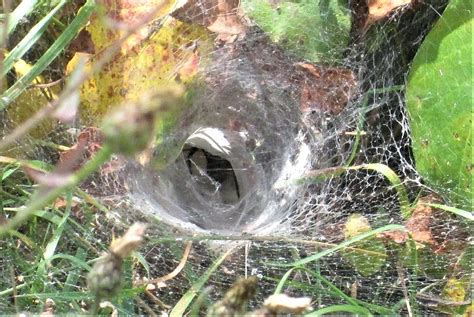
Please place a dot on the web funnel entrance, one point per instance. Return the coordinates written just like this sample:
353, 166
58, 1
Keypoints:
246, 139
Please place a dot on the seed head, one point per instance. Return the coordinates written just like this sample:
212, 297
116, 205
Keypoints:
130, 128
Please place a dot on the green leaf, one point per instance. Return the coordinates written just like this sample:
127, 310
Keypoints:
21, 11
439, 96
317, 31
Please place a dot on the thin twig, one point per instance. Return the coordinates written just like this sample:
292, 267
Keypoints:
47, 85
435, 300
155, 299
275, 239
401, 276
175, 272
147, 308
15, 292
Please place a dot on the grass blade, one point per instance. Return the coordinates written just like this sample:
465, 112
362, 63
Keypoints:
393, 178
23, 238
283, 280
73, 275
459, 212
53, 243
316, 176
333, 310
53, 51
29, 40
341, 245
334, 288
22, 10
180, 307
74, 259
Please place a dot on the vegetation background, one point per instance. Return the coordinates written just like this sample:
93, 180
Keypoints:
85, 83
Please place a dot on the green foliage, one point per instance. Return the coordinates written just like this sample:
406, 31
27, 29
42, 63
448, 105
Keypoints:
182, 305
50, 55
29, 40
440, 104
317, 31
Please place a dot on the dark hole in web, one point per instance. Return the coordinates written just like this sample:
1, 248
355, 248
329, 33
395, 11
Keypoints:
217, 170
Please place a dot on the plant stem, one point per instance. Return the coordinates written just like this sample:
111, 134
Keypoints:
361, 120
40, 199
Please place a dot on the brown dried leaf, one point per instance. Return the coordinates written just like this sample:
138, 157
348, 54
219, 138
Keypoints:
60, 202
379, 9
123, 246
396, 236
89, 141
82, 43
430, 226
367, 12
327, 89
219, 16
419, 224
284, 304
60, 176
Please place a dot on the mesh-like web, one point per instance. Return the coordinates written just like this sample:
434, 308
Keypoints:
245, 142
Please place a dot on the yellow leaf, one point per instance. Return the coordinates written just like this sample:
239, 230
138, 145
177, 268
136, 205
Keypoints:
355, 225
115, 16
454, 290
162, 59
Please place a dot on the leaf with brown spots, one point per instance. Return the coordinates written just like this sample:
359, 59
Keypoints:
157, 53
115, 17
